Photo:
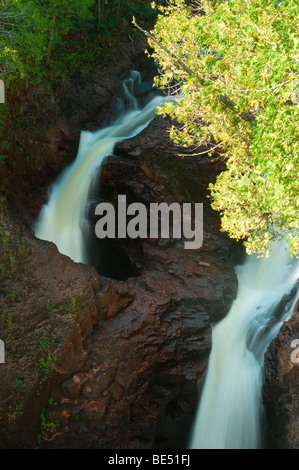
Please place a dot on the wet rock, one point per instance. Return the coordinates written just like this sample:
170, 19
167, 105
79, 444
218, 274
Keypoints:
152, 342
118, 366
281, 388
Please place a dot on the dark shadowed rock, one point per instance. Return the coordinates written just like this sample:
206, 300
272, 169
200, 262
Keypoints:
111, 360
281, 388
153, 339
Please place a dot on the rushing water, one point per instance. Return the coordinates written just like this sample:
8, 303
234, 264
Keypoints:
230, 414
63, 219
230, 411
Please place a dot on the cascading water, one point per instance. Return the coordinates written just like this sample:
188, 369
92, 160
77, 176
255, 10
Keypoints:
230, 409
63, 219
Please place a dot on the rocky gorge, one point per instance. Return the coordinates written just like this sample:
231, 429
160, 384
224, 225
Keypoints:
111, 355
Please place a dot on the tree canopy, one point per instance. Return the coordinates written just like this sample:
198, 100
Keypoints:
40, 38
237, 65
44, 42
31, 30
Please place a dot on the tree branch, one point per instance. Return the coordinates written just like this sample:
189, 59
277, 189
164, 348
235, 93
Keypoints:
248, 116
168, 51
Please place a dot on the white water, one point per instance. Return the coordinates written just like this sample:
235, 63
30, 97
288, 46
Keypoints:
230, 410
63, 219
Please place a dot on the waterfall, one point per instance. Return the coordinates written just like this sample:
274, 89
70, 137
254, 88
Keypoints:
230, 410
63, 219
230, 413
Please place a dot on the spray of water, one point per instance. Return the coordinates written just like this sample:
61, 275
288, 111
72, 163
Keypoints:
63, 219
230, 409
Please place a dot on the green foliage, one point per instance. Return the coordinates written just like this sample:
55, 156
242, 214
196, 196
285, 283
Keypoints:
50, 307
31, 31
46, 423
12, 249
17, 409
114, 12
40, 43
8, 319
19, 382
4, 146
72, 308
46, 359
43, 42
237, 66
13, 295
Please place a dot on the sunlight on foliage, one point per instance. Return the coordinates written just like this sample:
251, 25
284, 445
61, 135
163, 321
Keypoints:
239, 87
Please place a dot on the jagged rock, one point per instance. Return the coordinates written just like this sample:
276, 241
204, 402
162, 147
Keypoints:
133, 350
153, 339
54, 310
72, 387
281, 388
131, 347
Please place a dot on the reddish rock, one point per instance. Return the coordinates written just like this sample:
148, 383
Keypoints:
281, 388
121, 370
153, 339
128, 360
53, 311
71, 388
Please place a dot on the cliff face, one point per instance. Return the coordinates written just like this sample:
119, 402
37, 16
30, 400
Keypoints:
151, 345
107, 360
281, 387
105, 363
111, 357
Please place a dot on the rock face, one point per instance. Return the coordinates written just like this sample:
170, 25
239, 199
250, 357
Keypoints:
110, 360
153, 339
48, 307
103, 363
281, 387
49, 143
